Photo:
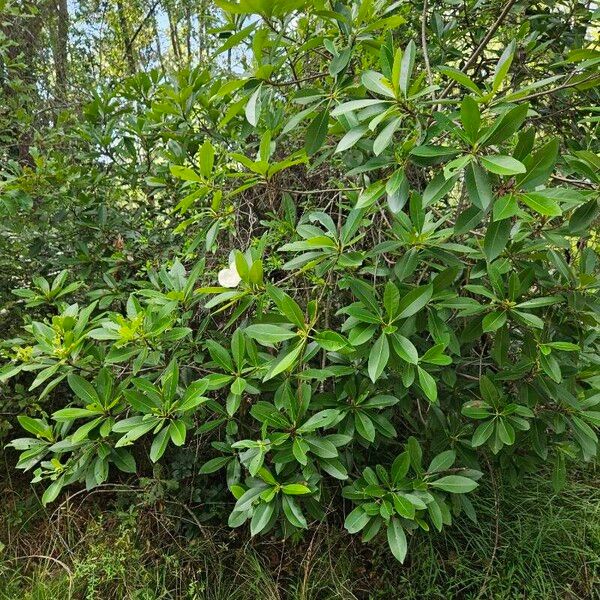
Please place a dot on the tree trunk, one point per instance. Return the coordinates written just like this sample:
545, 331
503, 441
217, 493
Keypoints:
188, 37
131, 63
61, 50
23, 30
174, 37
201, 31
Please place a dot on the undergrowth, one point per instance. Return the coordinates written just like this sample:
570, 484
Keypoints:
528, 544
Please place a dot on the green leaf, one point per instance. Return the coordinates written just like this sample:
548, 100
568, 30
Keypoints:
83, 432
284, 361
267, 334
184, 173
400, 467
140, 401
177, 431
503, 65
493, 321
442, 461
482, 433
404, 507
455, 484
67, 414
435, 356
364, 426
406, 67
414, 301
340, 61
193, 395
470, 117
528, 319
35, 426
83, 389
214, 464
316, 132
428, 385
123, 460
559, 472
376, 83
476, 409
353, 105
438, 188
397, 539
219, 355
386, 136
505, 126
378, 357
159, 445
169, 380
542, 204
435, 514
551, 367
478, 186
583, 216
287, 305
503, 165
334, 467
235, 39
505, 431
322, 448
539, 166
52, 491
356, 520
331, 340
261, 517
351, 137
496, 238
369, 196
293, 513
295, 489
323, 418
241, 265
405, 349
207, 158
564, 346
505, 207
460, 78
391, 298
253, 107
238, 347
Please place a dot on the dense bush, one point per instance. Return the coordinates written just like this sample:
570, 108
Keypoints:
365, 267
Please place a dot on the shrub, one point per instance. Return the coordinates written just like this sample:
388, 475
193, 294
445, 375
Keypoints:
381, 305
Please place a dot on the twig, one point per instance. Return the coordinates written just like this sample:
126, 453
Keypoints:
296, 81
322, 191
424, 45
141, 25
575, 182
488, 36
564, 86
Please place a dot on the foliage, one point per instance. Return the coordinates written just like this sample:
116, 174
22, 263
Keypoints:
362, 268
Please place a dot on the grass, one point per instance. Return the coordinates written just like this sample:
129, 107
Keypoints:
529, 544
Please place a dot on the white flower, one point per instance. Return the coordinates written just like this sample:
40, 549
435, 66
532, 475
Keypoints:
229, 278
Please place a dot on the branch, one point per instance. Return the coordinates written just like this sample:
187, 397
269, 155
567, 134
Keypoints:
564, 86
424, 45
141, 25
488, 36
296, 81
